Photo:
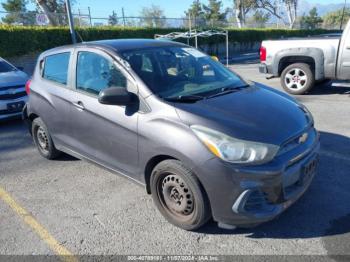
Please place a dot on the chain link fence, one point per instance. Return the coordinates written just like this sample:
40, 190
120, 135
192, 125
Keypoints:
83, 18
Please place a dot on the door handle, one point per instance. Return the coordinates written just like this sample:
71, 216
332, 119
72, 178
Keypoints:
79, 105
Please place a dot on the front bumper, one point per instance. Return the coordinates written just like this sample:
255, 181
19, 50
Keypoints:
6, 114
248, 196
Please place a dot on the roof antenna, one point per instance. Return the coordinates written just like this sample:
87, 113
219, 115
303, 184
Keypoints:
79, 35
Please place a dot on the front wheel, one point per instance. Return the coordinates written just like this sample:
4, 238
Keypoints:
179, 196
297, 79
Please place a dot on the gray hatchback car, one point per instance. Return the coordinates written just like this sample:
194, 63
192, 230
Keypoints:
204, 142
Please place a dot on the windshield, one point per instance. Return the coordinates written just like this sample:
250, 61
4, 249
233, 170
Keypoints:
180, 71
5, 67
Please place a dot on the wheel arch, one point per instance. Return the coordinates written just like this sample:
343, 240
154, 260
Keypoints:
311, 56
151, 164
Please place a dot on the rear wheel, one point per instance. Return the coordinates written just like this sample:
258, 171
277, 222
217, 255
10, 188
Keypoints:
43, 140
297, 79
179, 196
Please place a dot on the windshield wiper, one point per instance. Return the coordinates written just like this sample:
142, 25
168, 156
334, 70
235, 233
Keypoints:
228, 90
185, 98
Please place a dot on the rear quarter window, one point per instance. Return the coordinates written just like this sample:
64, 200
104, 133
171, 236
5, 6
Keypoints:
56, 68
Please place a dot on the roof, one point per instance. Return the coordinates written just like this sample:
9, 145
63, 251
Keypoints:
120, 45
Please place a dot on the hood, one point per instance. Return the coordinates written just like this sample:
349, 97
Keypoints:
256, 113
13, 78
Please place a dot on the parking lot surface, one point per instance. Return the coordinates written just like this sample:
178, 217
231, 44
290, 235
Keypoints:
89, 210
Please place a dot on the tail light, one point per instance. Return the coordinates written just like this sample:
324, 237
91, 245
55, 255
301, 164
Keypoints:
262, 54
28, 86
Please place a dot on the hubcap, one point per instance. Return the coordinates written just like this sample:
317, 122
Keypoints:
296, 79
178, 198
42, 139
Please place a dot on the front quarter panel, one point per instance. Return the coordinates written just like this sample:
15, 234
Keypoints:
162, 133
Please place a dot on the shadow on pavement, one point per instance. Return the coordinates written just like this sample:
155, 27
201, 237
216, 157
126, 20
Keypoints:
324, 210
14, 135
326, 88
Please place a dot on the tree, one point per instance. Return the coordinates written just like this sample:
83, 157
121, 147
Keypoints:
260, 18
113, 19
242, 7
55, 11
292, 8
213, 12
16, 11
274, 7
196, 13
153, 16
334, 19
311, 21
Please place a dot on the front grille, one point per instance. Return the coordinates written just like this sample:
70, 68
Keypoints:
295, 141
6, 112
258, 202
11, 87
12, 96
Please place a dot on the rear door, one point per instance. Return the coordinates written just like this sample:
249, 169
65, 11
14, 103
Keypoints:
104, 133
52, 95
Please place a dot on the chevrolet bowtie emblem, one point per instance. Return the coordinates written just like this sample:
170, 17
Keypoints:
303, 138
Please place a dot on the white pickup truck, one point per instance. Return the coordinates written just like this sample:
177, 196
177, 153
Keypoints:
302, 62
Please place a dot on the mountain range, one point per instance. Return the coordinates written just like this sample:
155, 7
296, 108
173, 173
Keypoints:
322, 9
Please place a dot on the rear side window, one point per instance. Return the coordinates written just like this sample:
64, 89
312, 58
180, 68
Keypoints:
56, 68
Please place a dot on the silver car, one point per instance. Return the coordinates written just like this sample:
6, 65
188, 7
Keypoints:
12, 90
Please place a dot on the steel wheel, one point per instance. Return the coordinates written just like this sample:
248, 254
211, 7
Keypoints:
296, 79
175, 195
178, 195
42, 139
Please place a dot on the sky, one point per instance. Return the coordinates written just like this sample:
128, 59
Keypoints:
172, 8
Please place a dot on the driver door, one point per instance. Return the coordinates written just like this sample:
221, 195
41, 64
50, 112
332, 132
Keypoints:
106, 134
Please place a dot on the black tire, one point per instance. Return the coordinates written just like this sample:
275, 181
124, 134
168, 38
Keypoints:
179, 196
297, 79
43, 140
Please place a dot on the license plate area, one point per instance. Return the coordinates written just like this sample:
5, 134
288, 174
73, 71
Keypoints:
308, 171
15, 107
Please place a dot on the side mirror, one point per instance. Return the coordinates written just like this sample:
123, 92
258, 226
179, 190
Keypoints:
115, 96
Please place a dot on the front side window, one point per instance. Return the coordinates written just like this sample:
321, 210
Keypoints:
96, 73
56, 68
180, 71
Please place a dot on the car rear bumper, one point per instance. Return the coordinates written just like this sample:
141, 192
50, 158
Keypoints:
6, 113
263, 69
249, 196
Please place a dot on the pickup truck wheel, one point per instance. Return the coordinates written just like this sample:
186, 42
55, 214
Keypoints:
297, 79
179, 196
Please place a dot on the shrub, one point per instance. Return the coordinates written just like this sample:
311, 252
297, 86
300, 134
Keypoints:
19, 40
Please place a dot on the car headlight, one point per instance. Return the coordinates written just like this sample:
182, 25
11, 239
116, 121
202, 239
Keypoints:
235, 150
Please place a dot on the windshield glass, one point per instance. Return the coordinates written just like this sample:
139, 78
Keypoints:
5, 67
180, 71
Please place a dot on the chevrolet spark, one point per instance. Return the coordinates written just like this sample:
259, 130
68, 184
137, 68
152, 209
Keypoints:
201, 140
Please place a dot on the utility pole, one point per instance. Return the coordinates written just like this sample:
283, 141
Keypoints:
123, 17
343, 15
71, 22
90, 16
